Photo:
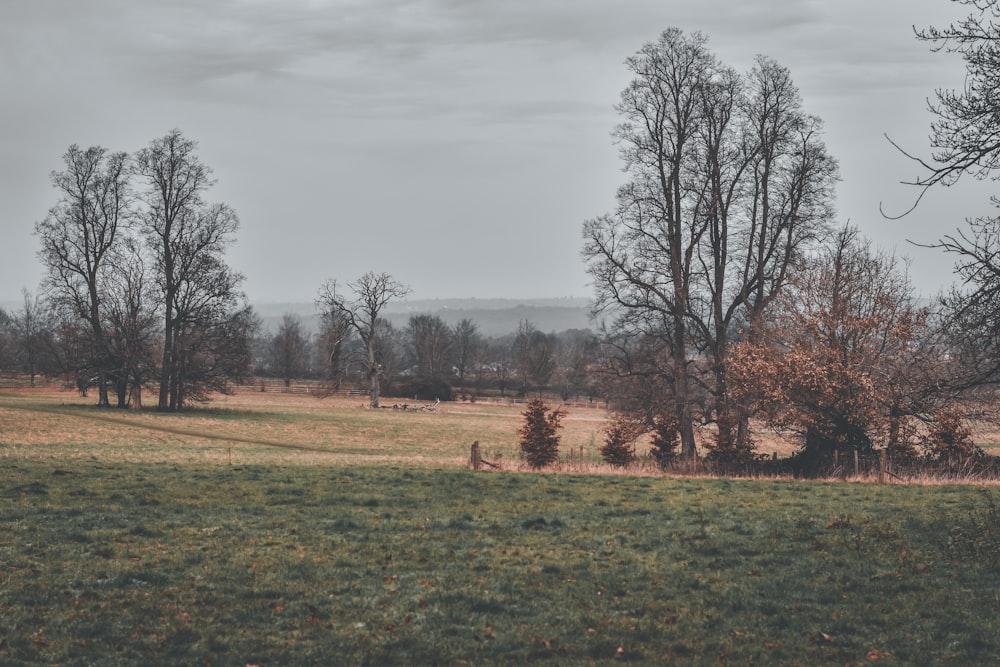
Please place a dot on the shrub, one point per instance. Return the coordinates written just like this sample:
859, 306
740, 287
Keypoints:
423, 389
539, 433
733, 453
949, 439
619, 440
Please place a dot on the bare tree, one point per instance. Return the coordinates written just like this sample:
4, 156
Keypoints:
500, 361
468, 343
576, 352
8, 340
729, 180
370, 294
431, 346
772, 191
965, 140
289, 347
77, 238
333, 344
964, 136
642, 257
32, 329
533, 356
187, 238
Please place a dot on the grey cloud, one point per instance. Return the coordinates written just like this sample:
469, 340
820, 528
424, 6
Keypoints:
509, 99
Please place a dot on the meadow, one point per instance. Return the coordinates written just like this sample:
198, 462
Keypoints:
342, 535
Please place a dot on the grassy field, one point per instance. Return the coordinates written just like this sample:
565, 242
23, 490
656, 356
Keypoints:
371, 545
266, 428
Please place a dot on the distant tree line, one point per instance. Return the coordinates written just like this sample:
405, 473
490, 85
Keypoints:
429, 360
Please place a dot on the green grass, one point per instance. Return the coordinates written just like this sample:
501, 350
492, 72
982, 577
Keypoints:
167, 563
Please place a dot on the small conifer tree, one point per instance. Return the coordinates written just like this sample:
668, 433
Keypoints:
665, 441
539, 433
951, 439
619, 440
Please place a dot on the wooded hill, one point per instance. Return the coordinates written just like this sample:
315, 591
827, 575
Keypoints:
493, 317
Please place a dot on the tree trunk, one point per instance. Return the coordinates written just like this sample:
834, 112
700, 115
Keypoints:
682, 395
373, 384
102, 391
121, 390
373, 373
167, 366
135, 397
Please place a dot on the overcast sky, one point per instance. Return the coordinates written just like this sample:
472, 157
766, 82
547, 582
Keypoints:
456, 144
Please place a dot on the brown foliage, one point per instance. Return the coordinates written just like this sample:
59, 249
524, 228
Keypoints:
949, 438
844, 359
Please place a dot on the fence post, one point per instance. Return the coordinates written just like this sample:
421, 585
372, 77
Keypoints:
474, 459
857, 463
881, 467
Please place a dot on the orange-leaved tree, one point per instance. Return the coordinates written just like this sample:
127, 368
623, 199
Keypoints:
845, 357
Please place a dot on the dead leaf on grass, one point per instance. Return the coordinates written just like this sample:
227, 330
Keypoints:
876, 654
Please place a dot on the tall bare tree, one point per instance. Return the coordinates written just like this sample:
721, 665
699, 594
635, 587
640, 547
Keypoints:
729, 180
369, 295
187, 238
77, 237
771, 184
